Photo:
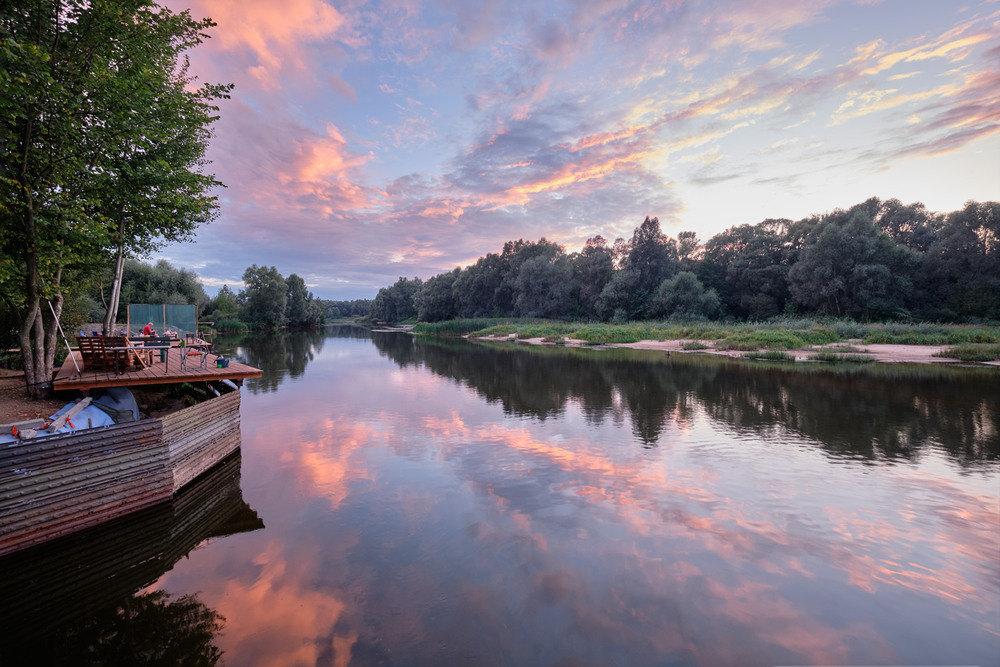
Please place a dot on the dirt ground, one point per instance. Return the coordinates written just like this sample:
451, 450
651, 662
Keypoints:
15, 405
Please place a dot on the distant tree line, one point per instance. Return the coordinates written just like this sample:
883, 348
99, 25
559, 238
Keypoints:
267, 300
878, 260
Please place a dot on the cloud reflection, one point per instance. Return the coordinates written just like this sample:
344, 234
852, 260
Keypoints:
412, 520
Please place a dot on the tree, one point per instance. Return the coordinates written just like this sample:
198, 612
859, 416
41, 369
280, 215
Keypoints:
592, 269
749, 266
161, 283
434, 300
962, 266
301, 309
684, 296
394, 304
851, 268
475, 288
102, 139
649, 258
543, 287
264, 298
223, 307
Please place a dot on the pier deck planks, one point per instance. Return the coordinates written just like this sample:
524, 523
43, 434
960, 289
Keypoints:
158, 373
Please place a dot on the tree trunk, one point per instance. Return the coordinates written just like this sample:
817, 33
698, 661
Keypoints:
38, 339
111, 316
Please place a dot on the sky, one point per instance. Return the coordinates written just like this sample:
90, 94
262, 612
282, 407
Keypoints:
365, 141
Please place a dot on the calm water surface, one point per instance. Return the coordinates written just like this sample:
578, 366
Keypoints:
410, 502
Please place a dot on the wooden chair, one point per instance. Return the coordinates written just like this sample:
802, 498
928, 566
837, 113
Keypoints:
92, 352
122, 353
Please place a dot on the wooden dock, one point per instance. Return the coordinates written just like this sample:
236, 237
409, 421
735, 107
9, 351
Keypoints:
60, 484
159, 372
57, 584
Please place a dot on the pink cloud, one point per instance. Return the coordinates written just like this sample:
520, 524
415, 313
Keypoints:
273, 33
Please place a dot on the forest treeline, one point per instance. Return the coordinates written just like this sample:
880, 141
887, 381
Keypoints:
267, 299
878, 260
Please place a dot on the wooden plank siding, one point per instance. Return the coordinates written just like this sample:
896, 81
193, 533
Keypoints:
67, 580
56, 485
200, 436
61, 484
160, 372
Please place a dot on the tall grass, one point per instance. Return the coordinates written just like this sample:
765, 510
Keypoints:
460, 327
847, 358
232, 326
972, 352
769, 355
780, 333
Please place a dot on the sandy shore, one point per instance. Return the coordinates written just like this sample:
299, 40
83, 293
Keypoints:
919, 354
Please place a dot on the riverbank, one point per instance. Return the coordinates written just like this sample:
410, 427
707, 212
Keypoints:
885, 353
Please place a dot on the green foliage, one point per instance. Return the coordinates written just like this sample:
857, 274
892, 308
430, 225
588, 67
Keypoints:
692, 345
878, 260
231, 326
301, 308
972, 352
929, 334
769, 355
845, 358
602, 334
345, 309
548, 330
755, 340
434, 301
225, 306
102, 142
685, 296
264, 298
161, 283
395, 304
849, 267
461, 327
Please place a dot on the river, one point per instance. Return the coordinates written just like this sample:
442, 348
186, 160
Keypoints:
404, 501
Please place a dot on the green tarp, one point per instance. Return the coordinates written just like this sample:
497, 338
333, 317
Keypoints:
181, 320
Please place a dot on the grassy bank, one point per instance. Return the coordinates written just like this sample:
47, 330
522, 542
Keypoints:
778, 334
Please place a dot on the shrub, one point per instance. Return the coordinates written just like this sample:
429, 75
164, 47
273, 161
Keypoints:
694, 345
972, 352
754, 340
770, 355
849, 358
232, 326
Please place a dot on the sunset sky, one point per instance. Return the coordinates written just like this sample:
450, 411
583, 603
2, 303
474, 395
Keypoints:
370, 140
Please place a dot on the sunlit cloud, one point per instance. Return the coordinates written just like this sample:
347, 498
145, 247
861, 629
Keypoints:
274, 33
358, 133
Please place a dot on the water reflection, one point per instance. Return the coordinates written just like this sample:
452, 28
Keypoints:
439, 503
885, 413
279, 354
79, 600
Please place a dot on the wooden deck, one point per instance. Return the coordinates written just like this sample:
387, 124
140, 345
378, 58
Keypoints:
159, 372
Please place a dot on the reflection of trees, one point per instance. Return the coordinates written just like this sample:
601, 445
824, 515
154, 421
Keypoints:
73, 600
888, 411
146, 629
279, 354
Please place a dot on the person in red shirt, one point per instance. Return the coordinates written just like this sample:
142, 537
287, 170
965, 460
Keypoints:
148, 330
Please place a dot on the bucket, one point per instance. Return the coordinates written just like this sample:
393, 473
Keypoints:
222, 362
